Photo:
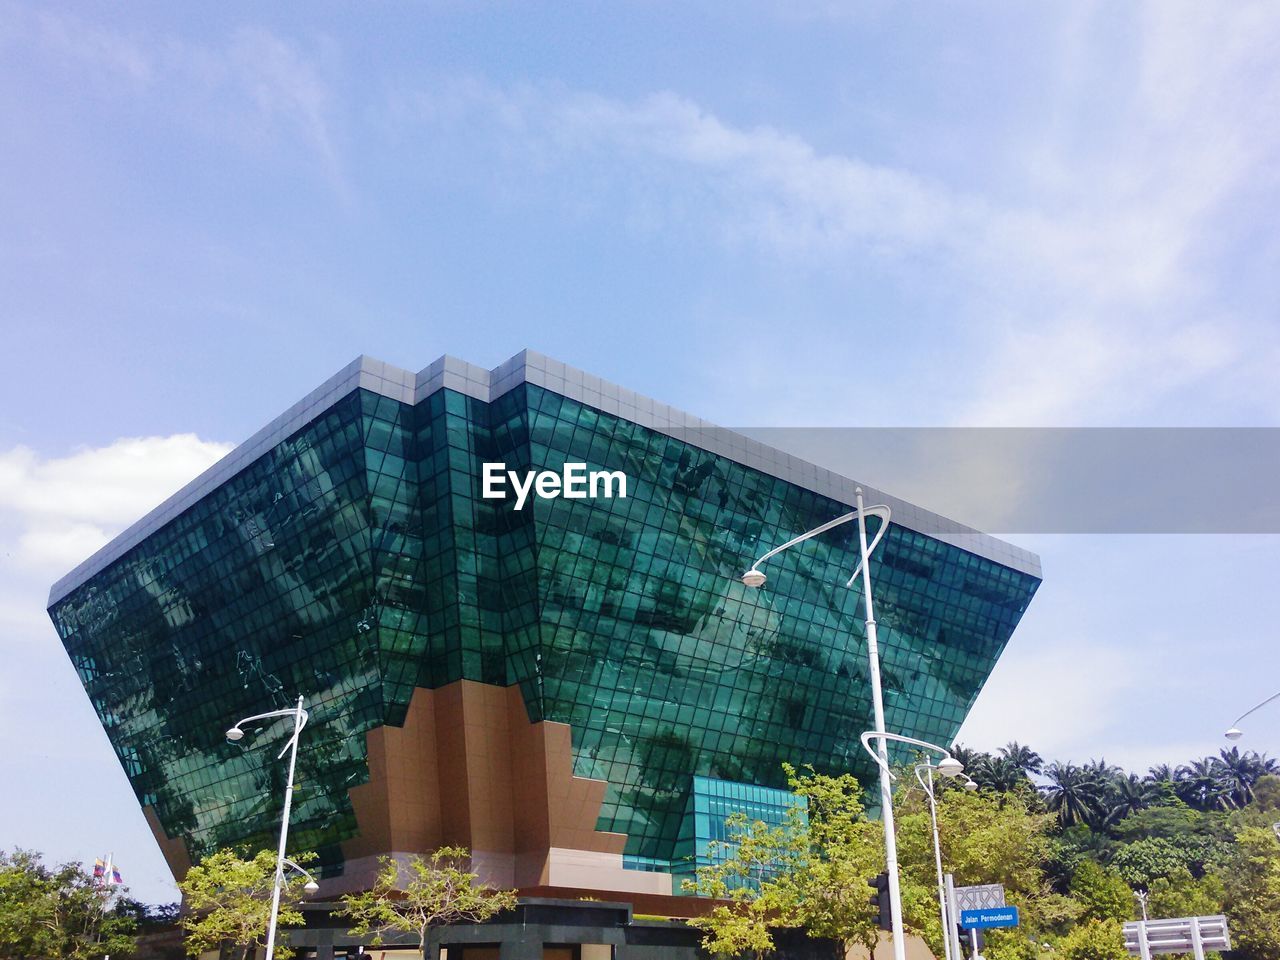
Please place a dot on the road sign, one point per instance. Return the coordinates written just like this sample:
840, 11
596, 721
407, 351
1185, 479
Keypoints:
1195, 935
990, 917
981, 897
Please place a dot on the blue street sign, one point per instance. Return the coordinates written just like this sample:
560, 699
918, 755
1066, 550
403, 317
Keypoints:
990, 917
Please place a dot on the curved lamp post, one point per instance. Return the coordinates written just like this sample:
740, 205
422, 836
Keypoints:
235, 734
1235, 733
924, 774
948, 766
754, 578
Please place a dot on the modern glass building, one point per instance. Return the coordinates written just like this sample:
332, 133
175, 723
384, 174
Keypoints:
577, 690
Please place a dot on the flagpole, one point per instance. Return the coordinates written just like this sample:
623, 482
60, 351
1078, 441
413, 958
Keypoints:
106, 882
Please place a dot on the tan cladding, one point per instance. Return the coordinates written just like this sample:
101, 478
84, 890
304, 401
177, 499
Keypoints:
469, 769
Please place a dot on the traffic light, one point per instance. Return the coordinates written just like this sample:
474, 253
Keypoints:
880, 884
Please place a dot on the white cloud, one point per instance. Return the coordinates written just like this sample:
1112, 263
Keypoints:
55, 511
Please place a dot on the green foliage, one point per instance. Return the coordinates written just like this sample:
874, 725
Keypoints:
1094, 940
810, 872
436, 889
1102, 893
58, 913
1140, 863
1197, 837
1012, 944
1253, 894
987, 837
228, 899
1179, 894
1266, 793
1203, 839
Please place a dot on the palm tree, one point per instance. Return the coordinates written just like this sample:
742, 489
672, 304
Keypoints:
1237, 773
1003, 774
1127, 795
1200, 785
1026, 759
1102, 771
975, 762
1072, 793
1162, 773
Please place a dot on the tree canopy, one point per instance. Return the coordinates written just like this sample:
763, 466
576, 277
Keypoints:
58, 913
228, 899
423, 893
1072, 844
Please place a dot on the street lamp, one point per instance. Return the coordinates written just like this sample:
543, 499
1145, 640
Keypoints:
1235, 733
755, 579
235, 734
310, 886
949, 767
924, 773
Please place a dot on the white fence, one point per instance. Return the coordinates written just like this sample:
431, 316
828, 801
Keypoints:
1146, 938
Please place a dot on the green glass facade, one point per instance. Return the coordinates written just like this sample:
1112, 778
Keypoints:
357, 560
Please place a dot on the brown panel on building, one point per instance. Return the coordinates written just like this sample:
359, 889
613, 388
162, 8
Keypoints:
469, 769
401, 802
174, 851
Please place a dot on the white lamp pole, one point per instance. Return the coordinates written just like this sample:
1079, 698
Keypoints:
234, 734
755, 578
924, 773
948, 766
877, 703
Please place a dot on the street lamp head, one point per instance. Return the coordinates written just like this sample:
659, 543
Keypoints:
311, 887
971, 785
1235, 733
753, 578
950, 767
235, 734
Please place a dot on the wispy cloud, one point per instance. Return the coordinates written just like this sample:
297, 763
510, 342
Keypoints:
253, 83
1092, 292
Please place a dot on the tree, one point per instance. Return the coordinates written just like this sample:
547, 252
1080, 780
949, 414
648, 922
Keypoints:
1179, 894
986, 837
1238, 772
57, 914
228, 901
1253, 894
1102, 892
1073, 793
1203, 839
1003, 775
1124, 796
1026, 759
810, 871
1200, 785
1094, 940
1140, 863
1266, 792
976, 762
439, 889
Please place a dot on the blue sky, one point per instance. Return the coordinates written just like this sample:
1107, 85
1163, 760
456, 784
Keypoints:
770, 214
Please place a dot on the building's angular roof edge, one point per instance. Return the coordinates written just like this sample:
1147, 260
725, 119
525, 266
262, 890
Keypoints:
528, 366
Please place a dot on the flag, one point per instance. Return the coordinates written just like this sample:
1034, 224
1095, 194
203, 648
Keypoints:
99, 869
115, 877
